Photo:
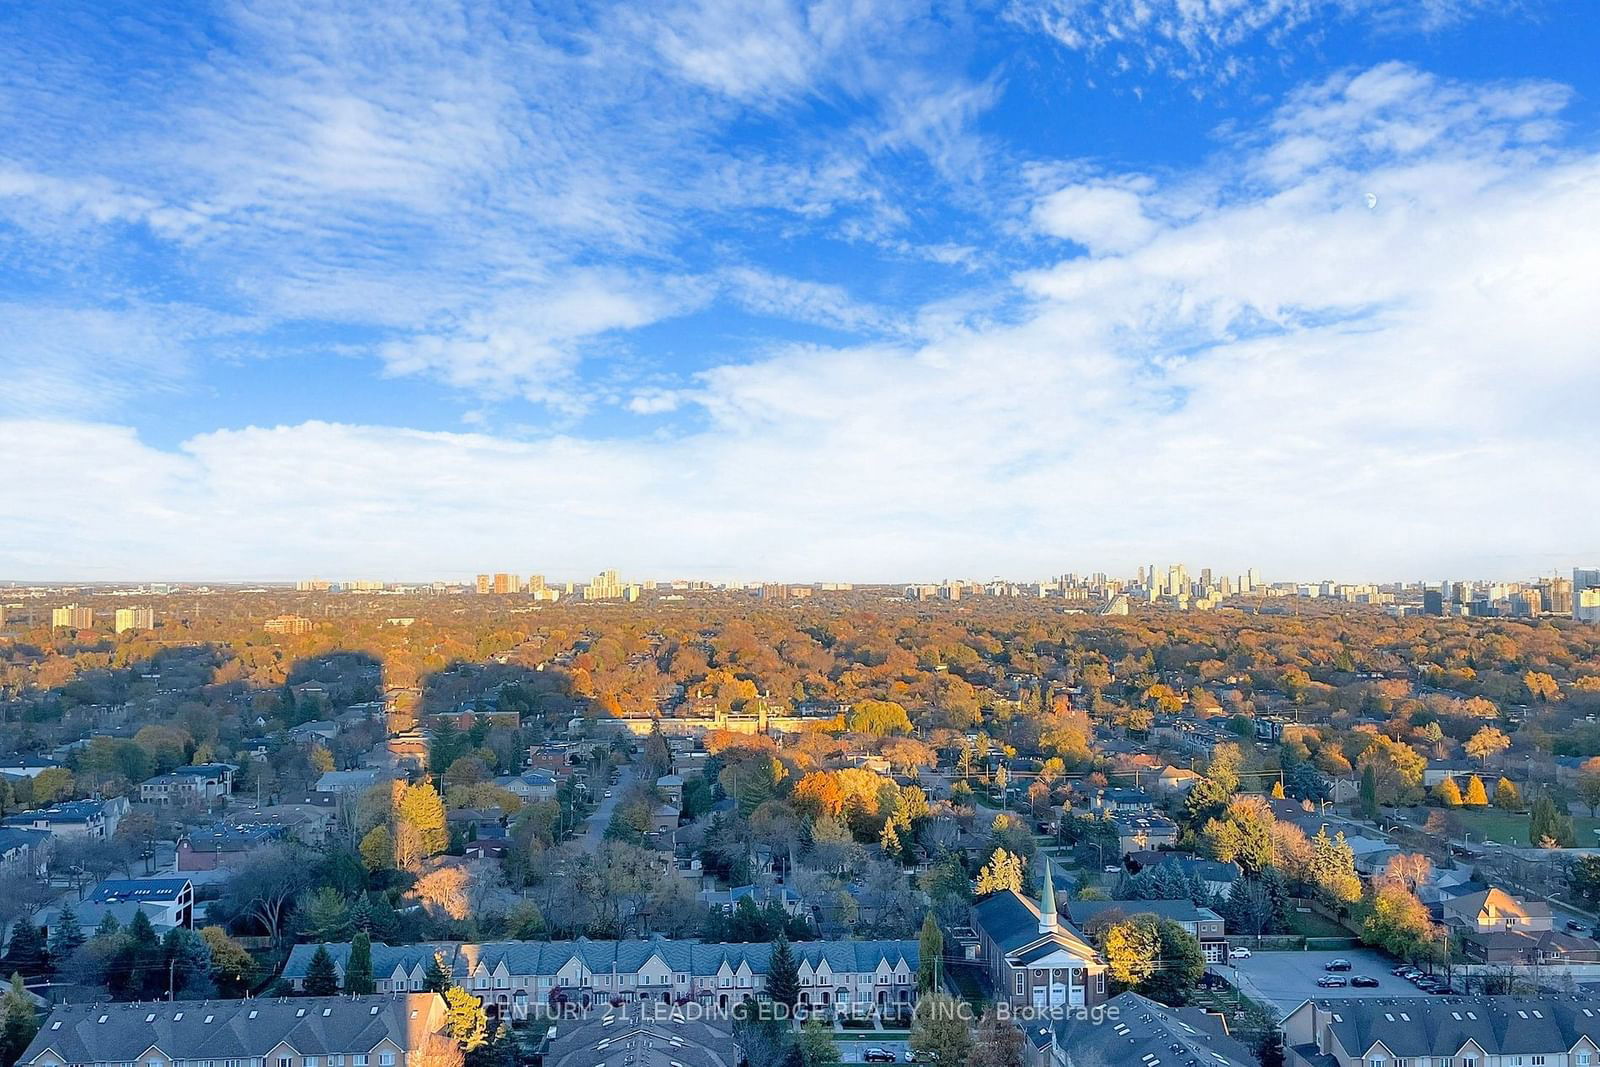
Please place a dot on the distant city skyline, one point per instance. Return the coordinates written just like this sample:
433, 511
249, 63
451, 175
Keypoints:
485, 583
874, 290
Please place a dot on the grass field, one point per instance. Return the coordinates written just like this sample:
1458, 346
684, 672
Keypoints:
1511, 828
1310, 924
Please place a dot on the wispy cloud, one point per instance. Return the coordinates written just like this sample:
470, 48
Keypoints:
1273, 374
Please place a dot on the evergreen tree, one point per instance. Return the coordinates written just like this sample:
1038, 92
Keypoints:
930, 946
108, 928
139, 968
20, 1021
27, 953
1368, 799
1506, 796
783, 974
322, 978
67, 935
1549, 827
358, 968
1476, 796
189, 965
436, 978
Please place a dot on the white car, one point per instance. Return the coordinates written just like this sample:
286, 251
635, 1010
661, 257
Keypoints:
1238, 953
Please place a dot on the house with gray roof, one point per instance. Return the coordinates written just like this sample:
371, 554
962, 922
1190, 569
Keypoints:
1135, 1030
640, 1036
1033, 957
370, 1031
1549, 1030
840, 977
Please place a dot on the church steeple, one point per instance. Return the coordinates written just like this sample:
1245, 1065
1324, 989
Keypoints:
1048, 923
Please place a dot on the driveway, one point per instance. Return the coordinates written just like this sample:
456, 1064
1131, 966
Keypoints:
1287, 979
594, 830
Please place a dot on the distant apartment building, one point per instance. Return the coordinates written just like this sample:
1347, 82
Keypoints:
603, 586
505, 584
287, 624
135, 619
72, 617
313, 585
484, 584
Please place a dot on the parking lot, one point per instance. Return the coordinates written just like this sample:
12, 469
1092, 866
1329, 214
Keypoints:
1286, 979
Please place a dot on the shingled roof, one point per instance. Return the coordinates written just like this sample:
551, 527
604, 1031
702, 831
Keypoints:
1440, 1026
1135, 1030
233, 1029
548, 957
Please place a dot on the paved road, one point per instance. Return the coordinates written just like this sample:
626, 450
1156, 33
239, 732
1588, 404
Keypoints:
1287, 979
851, 1048
594, 831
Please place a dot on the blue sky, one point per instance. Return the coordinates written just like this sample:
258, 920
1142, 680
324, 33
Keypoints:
881, 290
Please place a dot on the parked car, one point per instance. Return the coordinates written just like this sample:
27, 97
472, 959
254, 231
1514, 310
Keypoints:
1340, 964
1575, 925
913, 1056
1240, 953
1333, 981
1364, 981
1406, 971
877, 1055
1112, 868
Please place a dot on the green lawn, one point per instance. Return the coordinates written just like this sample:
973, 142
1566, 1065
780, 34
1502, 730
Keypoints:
1509, 827
1310, 924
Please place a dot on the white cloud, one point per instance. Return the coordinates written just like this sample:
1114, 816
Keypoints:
530, 341
1206, 42
1102, 218
1271, 374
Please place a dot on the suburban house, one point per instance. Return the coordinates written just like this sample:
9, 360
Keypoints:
1138, 1031
842, 977
670, 786
1217, 875
1550, 1030
1491, 910
1092, 916
318, 732
1138, 832
1032, 956
727, 900
529, 785
169, 902
199, 784
1497, 928
27, 766
333, 783
74, 818
371, 1031
1176, 780
1114, 799
24, 850
217, 846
